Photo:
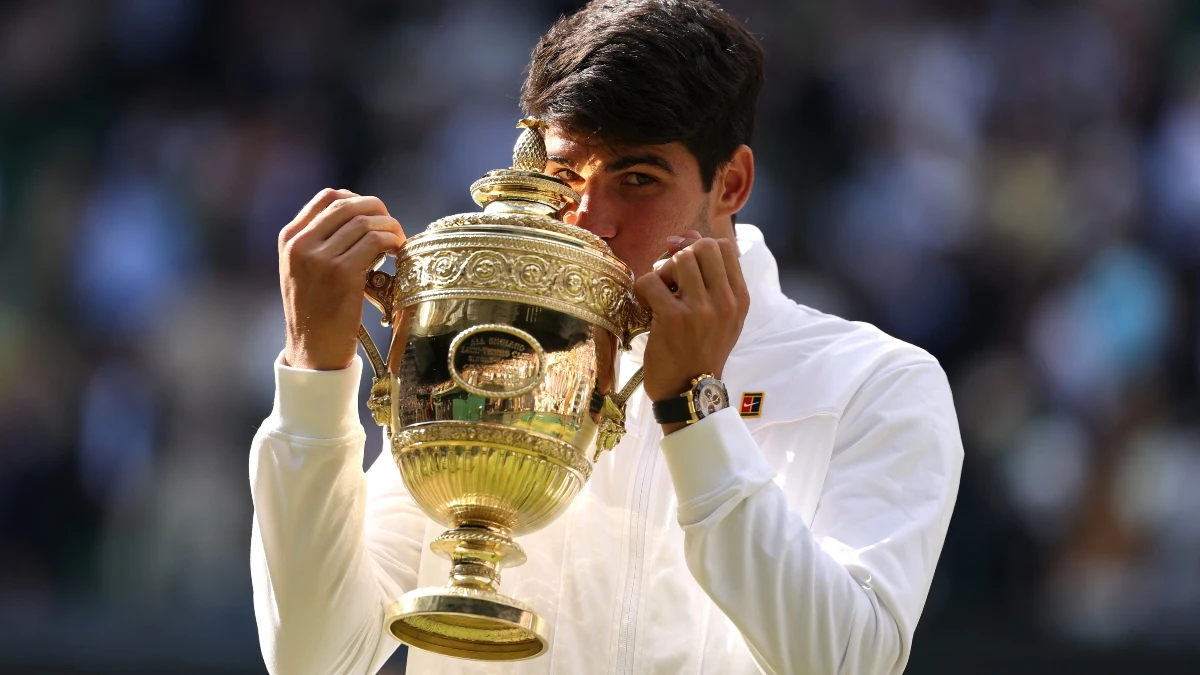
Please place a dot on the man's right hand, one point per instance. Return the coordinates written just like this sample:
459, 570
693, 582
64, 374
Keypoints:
323, 258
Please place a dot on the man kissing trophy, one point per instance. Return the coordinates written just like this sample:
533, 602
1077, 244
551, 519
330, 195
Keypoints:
780, 481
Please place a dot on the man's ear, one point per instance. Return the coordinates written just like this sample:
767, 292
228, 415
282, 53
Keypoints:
733, 182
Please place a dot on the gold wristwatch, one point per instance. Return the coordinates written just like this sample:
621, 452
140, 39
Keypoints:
706, 396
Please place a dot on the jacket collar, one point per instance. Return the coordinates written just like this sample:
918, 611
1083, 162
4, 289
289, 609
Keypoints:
762, 280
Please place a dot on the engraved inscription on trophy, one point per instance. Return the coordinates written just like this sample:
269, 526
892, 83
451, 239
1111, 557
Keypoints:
497, 361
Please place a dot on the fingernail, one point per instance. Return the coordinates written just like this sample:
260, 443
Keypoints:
674, 241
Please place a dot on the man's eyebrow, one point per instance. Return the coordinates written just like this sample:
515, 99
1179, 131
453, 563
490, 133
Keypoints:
622, 163
559, 159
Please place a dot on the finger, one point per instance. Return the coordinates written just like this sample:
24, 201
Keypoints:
316, 205
712, 264
347, 235
665, 269
733, 267
687, 276
653, 293
367, 248
676, 244
338, 213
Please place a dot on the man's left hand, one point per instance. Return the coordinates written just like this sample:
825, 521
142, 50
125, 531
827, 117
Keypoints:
699, 301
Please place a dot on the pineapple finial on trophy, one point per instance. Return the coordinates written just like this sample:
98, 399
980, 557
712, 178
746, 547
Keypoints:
524, 188
529, 154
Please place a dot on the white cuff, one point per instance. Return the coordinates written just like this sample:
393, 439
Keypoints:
713, 462
317, 404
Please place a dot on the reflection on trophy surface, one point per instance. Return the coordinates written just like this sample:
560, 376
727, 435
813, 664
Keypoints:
505, 326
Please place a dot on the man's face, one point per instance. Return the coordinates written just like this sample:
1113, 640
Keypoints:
632, 196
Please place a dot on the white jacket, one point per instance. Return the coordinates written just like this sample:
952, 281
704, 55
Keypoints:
800, 541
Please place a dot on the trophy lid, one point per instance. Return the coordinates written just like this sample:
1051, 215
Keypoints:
524, 188
523, 196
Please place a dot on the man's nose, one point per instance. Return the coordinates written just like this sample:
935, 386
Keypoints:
591, 215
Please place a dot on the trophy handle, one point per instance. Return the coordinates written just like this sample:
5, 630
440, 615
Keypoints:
637, 318
378, 290
637, 321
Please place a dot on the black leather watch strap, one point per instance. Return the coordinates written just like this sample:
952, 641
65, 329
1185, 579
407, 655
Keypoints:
672, 411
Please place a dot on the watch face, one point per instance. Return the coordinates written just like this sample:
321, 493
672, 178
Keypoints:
710, 397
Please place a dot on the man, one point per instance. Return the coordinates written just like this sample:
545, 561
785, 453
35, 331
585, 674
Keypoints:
796, 531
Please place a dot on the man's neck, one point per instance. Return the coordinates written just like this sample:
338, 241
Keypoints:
724, 229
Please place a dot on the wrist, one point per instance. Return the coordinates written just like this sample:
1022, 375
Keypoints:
669, 392
677, 387
297, 355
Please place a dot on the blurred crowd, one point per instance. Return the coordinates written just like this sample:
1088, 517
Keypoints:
1013, 185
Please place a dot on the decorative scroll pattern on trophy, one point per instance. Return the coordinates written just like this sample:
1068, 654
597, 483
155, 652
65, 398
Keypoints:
505, 267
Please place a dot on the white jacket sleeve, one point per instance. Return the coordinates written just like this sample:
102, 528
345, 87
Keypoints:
843, 596
331, 546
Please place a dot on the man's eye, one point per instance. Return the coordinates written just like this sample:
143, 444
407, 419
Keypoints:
638, 179
566, 174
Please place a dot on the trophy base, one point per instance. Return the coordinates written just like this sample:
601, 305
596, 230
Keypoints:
468, 623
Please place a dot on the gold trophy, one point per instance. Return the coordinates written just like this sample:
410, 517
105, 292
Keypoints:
505, 329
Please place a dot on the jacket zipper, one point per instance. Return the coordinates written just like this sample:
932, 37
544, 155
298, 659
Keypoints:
633, 571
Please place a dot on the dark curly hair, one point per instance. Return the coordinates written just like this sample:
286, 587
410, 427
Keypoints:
646, 72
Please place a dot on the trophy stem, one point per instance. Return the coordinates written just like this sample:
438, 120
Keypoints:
477, 554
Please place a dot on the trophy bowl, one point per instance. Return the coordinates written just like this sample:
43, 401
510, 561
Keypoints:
505, 328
